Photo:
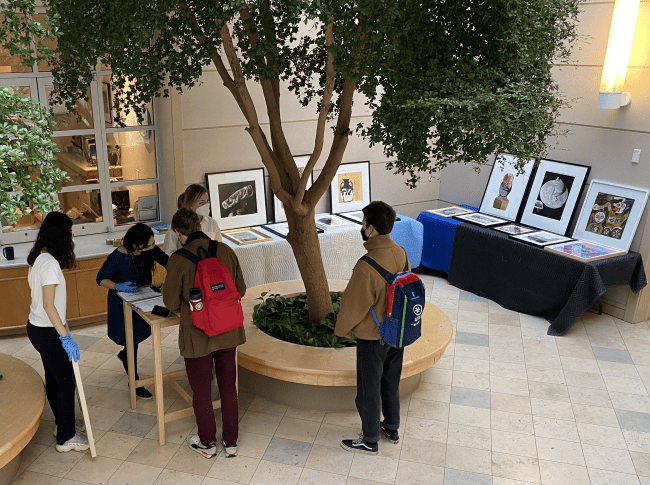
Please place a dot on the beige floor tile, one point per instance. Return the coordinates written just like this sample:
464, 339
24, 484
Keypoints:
252, 445
469, 436
118, 446
510, 403
625, 385
584, 379
129, 473
425, 429
608, 459
43, 435
421, 451
103, 378
262, 405
580, 365
554, 473
375, 468
472, 327
630, 402
476, 366
509, 481
93, 359
592, 434
188, 461
497, 342
330, 435
515, 467
103, 418
149, 452
238, 470
471, 380
29, 454
33, 478
94, 470
555, 428
505, 385
637, 441
641, 462
540, 345
591, 397
328, 459
469, 416
604, 477
436, 375
434, 410
116, 399
543, 360
552, 409
306, 414
550, 449
640, 357
551, 392
315, 477
513, 444
360, 481
470, 316
617, 369
469, 459
472, 352
259, 423
595, 415
512, 371
548, 375
175, 431
270, 473
508, 356
512, 422
297, 429
418, 473
502, 330
173, 477
431, 392
51, 462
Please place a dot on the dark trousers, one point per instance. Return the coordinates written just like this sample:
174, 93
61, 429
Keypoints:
379, 368
59, 378
199, 373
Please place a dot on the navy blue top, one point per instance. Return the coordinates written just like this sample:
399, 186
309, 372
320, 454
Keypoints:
122, 268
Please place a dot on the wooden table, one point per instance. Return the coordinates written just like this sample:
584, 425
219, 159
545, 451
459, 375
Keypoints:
156, 324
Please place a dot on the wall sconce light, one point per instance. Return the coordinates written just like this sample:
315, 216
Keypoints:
619, 45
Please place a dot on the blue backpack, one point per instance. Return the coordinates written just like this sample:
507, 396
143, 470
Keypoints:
405, 299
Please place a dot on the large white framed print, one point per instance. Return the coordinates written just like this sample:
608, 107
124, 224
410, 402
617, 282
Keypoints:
237, 198
278, 206
610, 214
506, 188
554, 195
350, 189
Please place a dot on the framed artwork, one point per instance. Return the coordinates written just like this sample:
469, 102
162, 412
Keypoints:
237, 199
330, 221
506, 188
514, 229
356, 216
585, 251
278, 206
282, 229
541, 238
554, 195
350, 189
479, 219
245, 235
610, 214
450, 211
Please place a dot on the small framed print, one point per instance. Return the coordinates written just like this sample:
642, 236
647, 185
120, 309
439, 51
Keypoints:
245, 235
350, 189
327, 222
585, 250
237, 199
514, 229
356, 216
450, 211
282, 229
278, 206
480, 219
541, 239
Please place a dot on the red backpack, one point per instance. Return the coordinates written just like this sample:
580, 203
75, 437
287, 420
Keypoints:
218, 308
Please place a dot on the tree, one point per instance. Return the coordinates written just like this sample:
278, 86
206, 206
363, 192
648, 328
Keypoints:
447, 81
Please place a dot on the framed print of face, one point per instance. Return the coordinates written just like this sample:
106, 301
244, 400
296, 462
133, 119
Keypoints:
554, 195
506, 187
541, 238
584, 251
278, 206
479, 219
330, 221
350, 189
450, 211
245, 235
237, 199
610, 214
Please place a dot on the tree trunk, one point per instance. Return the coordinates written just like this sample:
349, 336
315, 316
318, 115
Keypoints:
303, 239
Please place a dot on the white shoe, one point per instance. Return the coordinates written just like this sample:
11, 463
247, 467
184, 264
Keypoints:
195, 444
229, 450
78, 442
79, 426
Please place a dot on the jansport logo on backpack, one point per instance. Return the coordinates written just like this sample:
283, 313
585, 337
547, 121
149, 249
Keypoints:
405, 299
219, 308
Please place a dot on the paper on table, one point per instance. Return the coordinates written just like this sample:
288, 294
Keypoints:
141, 294
147, 305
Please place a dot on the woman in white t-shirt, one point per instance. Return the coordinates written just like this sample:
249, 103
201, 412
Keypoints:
47, 329
194, 198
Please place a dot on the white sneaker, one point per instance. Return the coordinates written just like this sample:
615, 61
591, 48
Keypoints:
229, 450
79, 426
78, 442
195, 444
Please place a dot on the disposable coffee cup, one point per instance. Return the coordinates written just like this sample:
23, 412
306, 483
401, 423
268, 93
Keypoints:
8, 253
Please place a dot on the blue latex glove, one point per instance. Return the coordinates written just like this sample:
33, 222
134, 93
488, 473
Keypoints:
128, 287
70, 347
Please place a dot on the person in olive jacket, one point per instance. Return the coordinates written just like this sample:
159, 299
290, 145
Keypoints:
199, 350
379, 366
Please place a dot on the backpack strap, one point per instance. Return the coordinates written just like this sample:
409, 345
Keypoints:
188, 255
380, 269
212, 249
406, 265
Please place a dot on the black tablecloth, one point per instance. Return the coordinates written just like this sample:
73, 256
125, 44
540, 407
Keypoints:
531, 280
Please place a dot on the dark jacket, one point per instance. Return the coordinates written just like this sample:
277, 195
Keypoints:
176, 295
368, 289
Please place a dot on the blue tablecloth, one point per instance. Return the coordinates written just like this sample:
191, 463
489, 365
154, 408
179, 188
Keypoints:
409, 233
438, 239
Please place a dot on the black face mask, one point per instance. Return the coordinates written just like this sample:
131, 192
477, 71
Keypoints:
363, 235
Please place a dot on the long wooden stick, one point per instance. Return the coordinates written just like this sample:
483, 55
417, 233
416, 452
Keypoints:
84, 409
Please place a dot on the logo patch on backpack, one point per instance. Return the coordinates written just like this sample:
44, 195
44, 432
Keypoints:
218, 287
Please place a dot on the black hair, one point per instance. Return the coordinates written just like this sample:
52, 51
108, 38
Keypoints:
186, 222
139, 235
380, 215
55, 236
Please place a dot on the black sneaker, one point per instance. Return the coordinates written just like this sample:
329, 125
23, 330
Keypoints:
143, 393
391, 434
361, 446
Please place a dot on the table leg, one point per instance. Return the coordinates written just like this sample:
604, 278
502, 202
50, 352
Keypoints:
130, 358
158, 381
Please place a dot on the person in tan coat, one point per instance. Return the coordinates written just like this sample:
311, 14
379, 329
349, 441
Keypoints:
379, 366
199, 350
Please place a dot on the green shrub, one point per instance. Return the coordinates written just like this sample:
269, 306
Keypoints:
288, 319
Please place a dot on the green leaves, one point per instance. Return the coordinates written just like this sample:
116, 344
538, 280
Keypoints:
288, 319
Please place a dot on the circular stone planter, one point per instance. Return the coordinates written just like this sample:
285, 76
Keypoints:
320, 378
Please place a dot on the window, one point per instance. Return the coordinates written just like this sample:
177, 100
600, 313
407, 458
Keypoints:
114, 171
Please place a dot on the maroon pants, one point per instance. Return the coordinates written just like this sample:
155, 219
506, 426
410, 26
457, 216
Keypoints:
199, 373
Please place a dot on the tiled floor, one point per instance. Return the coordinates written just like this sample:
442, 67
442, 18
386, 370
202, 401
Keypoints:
506, 405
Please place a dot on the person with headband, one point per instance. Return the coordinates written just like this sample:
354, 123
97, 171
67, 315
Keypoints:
195, 198
127, 269
47, 329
